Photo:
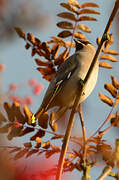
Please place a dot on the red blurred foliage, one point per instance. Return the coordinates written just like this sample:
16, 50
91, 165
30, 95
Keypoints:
38, 89
2, 67
32, 82
13, 87
28, 100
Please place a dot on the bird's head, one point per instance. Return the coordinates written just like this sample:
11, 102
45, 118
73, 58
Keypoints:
83, 43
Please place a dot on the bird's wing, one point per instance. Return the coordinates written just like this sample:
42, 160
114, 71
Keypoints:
63, 74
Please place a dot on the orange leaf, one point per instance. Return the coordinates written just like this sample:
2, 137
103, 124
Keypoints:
54, 51
113, 52
87, 18
49, 77
68, 7
64, 34
89, 5
98, 40
105, 65
26, 131
55, 148
9, 111
46, 71
84, 28
59, 40
79, 35
111, 89
88, 11
53, 125
28, 145
20, 154
46, 145
20, 32
38, 139
115, 82
106, 99
61, 58
31, 38
116, 102
28, 115
108, 57
40, 62
30, 153
74, 3
65, 25
40, 133
67, 15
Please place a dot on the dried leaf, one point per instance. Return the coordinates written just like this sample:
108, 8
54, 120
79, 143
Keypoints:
28, 115
5, 128
20, 32
39, 134
111, 89
105, 65
20, 154
46, 71
84, 28
49, 153
116, 102
31, 38
38, 140
28, 145
62, 57
72, 155
69, 44
53, 125
79, 35
115, 121
87, 18
109, 57
9, 112
37, 145
31, 152
14, 133
14, 150
74, 3
57, 137
26, 131
48, 77
40, 62
46, 145
88, 11
64, 34
55, 148
59, 40
89, 5
54, 51
113, 52
69, 7
115, 82
65, 25
106, 99
98, 40
17, 113
43, 120
67, 15
27, 46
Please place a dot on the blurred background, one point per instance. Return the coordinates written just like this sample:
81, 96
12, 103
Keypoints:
18, 68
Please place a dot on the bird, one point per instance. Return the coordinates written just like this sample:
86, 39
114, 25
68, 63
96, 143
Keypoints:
64, 85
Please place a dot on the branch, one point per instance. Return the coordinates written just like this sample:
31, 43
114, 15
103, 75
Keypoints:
77, 99
105, 173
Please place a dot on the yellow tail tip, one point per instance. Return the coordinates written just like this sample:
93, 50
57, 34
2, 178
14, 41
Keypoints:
33, 119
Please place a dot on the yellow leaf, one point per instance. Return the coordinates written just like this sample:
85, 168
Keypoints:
108, 57
115, 82
83, 27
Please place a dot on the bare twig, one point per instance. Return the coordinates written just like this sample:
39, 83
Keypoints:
77, 99
105, 173
83, 132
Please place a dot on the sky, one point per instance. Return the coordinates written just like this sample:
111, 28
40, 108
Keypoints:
20, 66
